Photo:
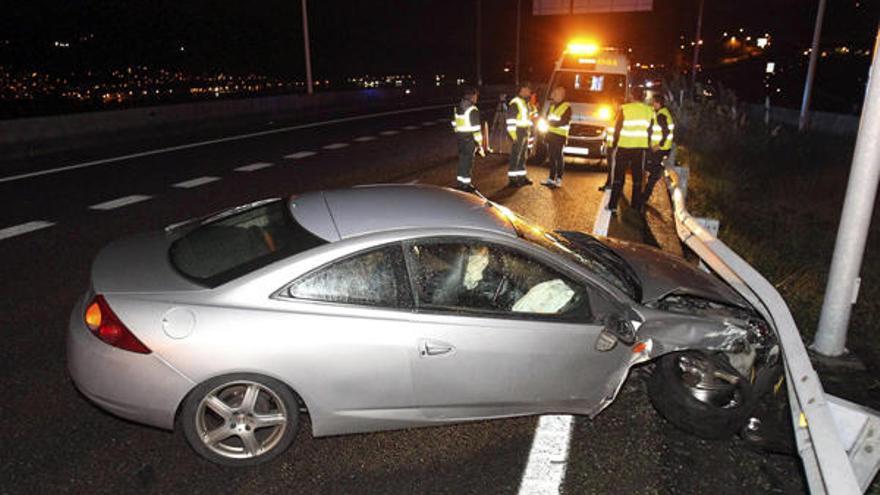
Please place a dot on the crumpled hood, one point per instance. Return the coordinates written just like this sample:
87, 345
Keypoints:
662, 274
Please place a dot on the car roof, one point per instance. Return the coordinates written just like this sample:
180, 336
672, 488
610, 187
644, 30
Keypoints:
344, 213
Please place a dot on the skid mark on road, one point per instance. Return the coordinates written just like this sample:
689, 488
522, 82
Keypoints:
24, 228
199, 181
120, 202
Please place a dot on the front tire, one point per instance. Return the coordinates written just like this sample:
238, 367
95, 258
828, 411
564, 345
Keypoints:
242, 419
686, 390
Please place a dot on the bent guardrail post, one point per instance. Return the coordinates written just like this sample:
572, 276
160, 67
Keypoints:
828, 466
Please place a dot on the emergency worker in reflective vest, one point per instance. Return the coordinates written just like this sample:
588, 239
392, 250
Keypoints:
519, 123
558, 120
632, 139
469, 135
662, 136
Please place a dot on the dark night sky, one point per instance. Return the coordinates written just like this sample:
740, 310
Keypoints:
384, 36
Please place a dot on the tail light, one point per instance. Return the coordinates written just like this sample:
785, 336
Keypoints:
106, 326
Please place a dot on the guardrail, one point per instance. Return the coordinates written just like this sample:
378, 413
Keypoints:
838, 441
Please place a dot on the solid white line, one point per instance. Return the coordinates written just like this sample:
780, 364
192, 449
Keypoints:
253, 166
410, 128
389, 133
214, 141
364, 139
120, 202
199, 181
300, 154
335, 146
23, 228
548, 457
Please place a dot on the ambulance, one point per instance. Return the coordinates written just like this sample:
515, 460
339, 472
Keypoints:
595, 80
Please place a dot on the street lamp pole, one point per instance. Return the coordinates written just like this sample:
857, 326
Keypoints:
479, 43
855, 220
518, 23
305, 16
804, 120
697, 41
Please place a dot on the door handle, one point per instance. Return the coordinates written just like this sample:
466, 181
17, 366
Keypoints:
436, 348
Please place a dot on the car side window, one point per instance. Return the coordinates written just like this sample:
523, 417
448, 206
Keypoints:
374, 278
483, 277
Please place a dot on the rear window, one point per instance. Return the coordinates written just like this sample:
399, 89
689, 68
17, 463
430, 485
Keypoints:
225, 249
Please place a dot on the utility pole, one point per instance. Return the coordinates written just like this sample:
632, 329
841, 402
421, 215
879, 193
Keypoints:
855, 220
804, 120
305, 15
518, 23
479, 43
697, 41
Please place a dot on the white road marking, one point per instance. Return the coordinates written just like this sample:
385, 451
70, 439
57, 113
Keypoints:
300, 154
548, 457
209, 142
335, 146
254, 166
410, 127
364, 139
389, 133
428, 123
442, 120
120, 202
24, 228
199, 181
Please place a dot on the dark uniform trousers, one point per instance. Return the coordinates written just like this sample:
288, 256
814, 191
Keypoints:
519, 150
655, 172
555, 143
632, 159
466, 148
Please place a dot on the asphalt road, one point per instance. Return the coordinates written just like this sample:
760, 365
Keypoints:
55, 441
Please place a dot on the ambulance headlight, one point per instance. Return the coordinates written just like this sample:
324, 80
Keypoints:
543, 126
604, 112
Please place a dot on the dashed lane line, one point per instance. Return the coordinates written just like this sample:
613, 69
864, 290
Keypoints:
300, 154
24, 228
428, 123
548, 457
335, 146
410, 127
120, 202
254, 167
198, 181
209, 142
364, 139
389, 133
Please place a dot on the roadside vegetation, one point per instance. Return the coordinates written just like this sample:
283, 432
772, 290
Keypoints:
778, 194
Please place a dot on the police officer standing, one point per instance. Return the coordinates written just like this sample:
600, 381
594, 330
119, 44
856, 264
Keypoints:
662, 136
632, 137
558, 120
469, 134
519, 122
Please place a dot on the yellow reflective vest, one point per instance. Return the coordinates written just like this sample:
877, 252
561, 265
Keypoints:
522, 118
638, 119
464, 123
657, 131
555, 119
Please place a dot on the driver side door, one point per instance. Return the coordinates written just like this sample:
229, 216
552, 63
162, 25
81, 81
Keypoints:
500, 333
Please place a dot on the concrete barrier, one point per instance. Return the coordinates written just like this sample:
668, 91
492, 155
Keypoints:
30, 137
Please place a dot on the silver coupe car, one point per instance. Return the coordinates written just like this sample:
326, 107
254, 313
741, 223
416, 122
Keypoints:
396, 306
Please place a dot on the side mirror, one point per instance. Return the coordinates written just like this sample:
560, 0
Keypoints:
616, 329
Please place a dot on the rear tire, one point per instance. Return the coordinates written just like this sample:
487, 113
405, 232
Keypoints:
712, 415
242, 419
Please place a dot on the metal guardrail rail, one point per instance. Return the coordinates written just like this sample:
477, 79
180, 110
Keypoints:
838, 441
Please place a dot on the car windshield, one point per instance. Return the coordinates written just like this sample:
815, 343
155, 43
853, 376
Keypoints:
584, 250
591, 87
218, 251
